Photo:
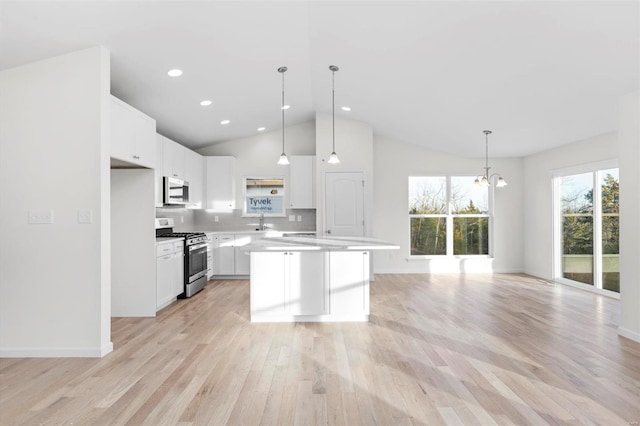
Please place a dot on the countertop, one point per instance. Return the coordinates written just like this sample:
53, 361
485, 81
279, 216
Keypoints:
163, 240
307, 243
269, 232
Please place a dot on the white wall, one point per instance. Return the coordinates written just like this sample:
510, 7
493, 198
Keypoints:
133, 243
54, 155
394, 162
354, 146
538, 205
258, 155
629, 152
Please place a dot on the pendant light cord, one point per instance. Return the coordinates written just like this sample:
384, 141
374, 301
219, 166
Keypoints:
333, 107
283, 109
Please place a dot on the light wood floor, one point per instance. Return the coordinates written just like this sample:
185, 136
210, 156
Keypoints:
439, 349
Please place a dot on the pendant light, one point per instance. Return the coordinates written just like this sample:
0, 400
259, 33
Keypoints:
485, 179
283, 161
333, 158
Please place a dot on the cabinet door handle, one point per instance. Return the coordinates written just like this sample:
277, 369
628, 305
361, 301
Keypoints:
136, 157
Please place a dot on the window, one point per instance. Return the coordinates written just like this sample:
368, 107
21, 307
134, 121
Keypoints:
588, 221
448, 216
264, 196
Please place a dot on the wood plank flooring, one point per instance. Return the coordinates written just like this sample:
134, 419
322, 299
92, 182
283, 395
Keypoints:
439, 350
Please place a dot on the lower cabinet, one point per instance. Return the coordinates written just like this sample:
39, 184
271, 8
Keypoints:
228, 256
223, 255
349, 283
286, 284
169, 272
210, 244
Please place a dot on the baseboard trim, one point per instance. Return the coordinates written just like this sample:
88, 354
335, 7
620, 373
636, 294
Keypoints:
629, 334
404, 271
56, 352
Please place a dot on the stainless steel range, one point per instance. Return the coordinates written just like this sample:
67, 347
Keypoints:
195, 255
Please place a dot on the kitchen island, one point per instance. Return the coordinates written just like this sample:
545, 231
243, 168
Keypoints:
311, 279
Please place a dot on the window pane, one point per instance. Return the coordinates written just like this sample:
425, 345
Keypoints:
609, 185
576, 192
427, 195
428, 236
467, 198
470, 235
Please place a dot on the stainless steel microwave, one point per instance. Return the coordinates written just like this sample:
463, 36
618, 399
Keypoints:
176, 191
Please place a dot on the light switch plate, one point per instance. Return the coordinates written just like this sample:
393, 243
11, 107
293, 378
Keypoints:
40, 216
299, 218
216, 218
292, 218
85, 216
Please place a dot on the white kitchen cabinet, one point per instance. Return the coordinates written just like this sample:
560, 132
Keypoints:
194, 174
242, 259
268, 295
173, 158
306, 283
220, 183
210, 244
158, 172
302, 182
169, 272
132, 135
349, 283
223, 255
228, 256
288, 284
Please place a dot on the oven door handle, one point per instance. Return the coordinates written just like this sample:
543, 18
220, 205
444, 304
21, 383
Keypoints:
197, 247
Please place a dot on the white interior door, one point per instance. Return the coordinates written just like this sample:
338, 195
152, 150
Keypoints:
344, 204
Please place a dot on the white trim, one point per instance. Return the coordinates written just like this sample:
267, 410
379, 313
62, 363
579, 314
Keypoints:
629, 334
586, 168
404, 271
310, 318
89, 352
588, 287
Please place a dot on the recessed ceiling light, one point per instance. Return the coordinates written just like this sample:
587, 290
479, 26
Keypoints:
223, 122
285, 107
206, 103
261, 129
346, 108
175, 73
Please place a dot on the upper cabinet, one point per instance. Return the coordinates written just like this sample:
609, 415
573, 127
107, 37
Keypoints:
133, 133
220, 183
302, 182
179, 162
173, 159
194, 174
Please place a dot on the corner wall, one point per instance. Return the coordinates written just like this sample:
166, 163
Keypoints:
54, 156
538, 203
629, 151
258, 155
354, 146
395, 161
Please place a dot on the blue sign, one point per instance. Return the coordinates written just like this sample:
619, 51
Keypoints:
265, 204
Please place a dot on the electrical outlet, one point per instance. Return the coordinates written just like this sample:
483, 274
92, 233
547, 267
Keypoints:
299, 218
85, 216
216, 219
181, 219
292, 218
40, 216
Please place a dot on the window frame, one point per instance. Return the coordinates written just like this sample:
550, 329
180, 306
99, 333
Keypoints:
449, 221
596, 169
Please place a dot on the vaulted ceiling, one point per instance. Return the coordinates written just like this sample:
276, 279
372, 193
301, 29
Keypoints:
539, 74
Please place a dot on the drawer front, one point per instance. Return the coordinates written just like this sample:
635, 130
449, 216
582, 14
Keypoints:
164, 249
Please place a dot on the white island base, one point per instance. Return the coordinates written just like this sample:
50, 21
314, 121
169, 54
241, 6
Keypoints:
310, 280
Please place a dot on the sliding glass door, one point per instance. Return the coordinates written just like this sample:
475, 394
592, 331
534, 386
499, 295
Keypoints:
588, 229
